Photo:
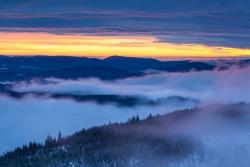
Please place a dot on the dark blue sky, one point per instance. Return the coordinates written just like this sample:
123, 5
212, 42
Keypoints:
211, 22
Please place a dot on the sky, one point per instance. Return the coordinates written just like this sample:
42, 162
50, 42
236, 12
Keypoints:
140, 28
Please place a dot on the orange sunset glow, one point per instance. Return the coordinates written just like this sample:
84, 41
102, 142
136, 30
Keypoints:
19, 43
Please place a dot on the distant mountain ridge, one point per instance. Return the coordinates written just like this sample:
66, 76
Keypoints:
64, 67
140, 64
114, 67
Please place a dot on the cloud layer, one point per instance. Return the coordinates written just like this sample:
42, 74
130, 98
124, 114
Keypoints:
208, 86
32, 118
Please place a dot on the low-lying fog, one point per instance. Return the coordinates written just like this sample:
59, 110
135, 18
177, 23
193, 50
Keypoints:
33, 118
209, 86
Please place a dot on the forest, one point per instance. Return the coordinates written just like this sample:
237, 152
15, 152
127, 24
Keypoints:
173, 139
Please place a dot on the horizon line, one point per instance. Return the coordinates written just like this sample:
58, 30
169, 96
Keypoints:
141, 57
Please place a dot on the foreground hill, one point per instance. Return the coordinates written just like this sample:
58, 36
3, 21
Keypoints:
173, 139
